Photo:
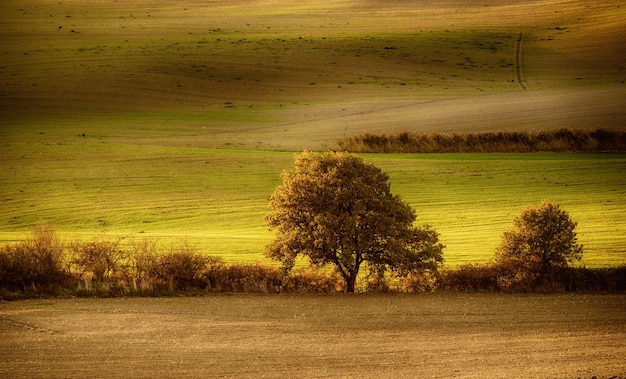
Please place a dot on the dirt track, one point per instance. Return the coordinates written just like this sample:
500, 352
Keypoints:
518, 61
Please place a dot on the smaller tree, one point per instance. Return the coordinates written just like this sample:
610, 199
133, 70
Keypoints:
542, 241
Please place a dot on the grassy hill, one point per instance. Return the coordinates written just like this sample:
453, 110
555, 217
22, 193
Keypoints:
174, 119
296, 76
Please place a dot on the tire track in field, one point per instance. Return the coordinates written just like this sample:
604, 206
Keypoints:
518, 61
26, 325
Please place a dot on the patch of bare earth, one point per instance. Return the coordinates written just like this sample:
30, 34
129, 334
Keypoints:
431, 335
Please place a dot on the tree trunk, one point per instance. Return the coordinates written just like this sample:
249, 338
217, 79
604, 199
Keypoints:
349, 275
350, 283
351, 280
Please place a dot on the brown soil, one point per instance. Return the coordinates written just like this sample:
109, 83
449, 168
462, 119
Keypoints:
390, 336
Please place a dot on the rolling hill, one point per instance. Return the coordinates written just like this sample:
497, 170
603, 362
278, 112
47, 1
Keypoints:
165, 117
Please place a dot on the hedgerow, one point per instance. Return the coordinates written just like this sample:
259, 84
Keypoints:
559, 140
105, 267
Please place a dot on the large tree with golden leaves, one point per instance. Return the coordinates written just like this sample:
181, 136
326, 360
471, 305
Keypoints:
335, 208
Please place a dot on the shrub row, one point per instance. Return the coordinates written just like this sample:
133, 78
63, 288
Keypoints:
43, 266
497, 278
560, 140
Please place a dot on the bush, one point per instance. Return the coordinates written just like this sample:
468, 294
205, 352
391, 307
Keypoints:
183, 270
425, 281
17, 270
499, 277
142, 258
581, 279
473, 277
42, 265
97, 260
34, 265
312, 281
244, 278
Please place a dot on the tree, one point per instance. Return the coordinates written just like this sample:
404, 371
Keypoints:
542, 240
335, 208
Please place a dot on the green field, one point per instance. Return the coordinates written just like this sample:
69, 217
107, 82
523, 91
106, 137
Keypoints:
174, 120
441, 335
217, 198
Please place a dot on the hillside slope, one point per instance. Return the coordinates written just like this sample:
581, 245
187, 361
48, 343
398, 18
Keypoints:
305, 74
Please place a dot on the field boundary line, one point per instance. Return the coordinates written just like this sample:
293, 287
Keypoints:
519, 72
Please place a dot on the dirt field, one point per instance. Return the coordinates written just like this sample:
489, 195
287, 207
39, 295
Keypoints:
382, 336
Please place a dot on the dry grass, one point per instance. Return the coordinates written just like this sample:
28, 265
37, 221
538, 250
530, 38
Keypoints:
430, 335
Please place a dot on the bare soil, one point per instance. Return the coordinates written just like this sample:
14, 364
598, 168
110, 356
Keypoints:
441, 335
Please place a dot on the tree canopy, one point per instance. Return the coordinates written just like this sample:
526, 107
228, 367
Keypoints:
543, 239
335, 208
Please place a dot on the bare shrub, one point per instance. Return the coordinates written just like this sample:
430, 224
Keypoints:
501, 142
183, 268
98, 260
16, 269
244, 278
35, 264
143, 256
312, 281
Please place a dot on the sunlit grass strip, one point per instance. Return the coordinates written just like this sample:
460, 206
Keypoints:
472, 201
218, 198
